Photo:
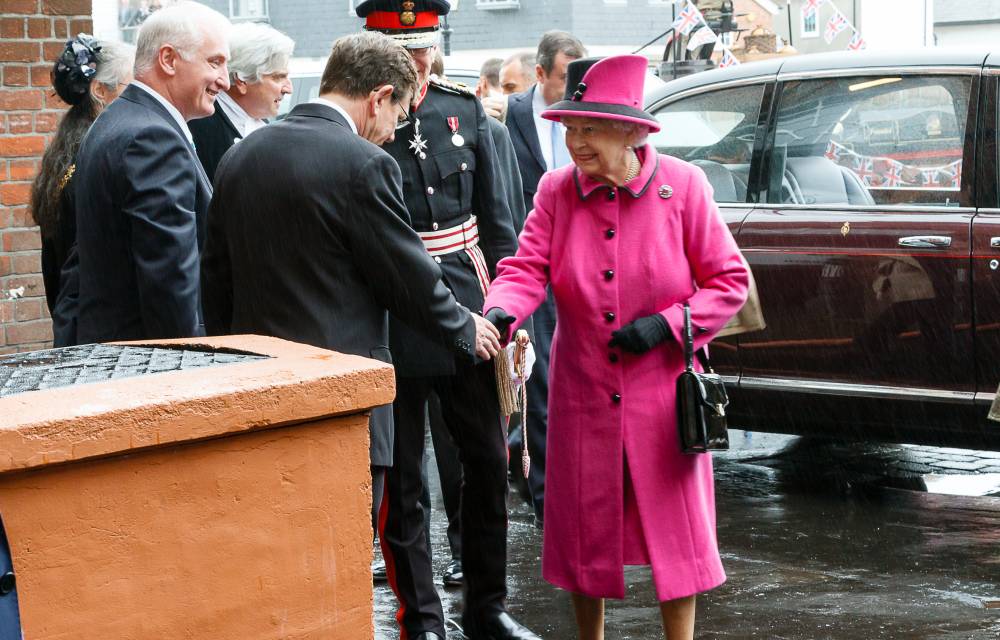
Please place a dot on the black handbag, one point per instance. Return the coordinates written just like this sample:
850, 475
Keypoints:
701, 400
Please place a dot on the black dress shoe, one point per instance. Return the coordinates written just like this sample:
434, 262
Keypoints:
498, 626
453, 576
378, 572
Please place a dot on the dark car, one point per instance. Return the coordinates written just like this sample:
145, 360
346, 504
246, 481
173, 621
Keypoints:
862, 188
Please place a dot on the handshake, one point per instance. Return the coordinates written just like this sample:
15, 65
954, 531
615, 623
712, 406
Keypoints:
638, 336
490, 330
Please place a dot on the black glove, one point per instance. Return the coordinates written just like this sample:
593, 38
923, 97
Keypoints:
502, 321
641, 335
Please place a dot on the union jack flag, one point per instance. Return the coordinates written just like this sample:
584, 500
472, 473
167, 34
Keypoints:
892, 174
687, 19
930, 177
857, 43
865, 170
833, 151
956, 172
834, 25
810, 7
728, 59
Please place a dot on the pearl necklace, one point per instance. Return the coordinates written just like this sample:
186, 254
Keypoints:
633, 167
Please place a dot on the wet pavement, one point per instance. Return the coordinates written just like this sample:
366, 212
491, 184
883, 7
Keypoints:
819, 540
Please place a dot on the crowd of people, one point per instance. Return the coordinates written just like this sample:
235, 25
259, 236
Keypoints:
404, 218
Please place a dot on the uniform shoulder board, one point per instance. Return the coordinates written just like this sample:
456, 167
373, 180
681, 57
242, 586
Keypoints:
452, 87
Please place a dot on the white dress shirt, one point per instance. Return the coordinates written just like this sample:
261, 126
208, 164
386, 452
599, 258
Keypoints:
544, 127
243, 121
171, 109
339, 109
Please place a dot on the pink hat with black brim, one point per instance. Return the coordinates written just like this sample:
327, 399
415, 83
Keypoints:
608, 88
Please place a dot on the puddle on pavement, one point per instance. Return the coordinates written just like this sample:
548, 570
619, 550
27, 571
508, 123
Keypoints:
985, 484
816, 546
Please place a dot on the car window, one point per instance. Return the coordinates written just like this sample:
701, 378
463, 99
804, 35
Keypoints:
714, 131
873, 140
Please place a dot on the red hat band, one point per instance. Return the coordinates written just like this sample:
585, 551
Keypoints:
380, 20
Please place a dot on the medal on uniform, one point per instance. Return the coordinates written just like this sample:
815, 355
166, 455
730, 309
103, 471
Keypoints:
418, 145
456, 137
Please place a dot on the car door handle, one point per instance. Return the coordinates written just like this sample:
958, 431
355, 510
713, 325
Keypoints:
995, 242
926, 242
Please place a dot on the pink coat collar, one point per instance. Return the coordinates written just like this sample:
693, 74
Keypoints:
585, 185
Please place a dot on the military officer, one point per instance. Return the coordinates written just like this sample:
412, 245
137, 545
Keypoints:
457, 205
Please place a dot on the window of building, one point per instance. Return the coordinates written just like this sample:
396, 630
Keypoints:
494, 5
248, 10
810, 24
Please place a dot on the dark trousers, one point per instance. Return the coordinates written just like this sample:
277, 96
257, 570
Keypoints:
544, 321
378, 490
472, 414
450, 473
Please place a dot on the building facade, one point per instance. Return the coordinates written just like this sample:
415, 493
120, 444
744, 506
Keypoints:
968, 23
477, 25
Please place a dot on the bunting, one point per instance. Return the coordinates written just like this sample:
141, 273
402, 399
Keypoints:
701, 37
889, 173
834, 26
837, 23
690, 19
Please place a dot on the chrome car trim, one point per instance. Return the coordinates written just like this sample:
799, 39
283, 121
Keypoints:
926, 242
985, 397
728, 84
878, 71
855, 390
888, 208
731, 381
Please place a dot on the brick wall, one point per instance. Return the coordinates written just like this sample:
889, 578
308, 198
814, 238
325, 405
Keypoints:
32, 35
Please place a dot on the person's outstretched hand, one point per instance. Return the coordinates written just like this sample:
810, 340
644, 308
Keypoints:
641, 335
487, 338
502, 321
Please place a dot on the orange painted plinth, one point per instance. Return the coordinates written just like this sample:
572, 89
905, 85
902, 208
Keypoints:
227, 502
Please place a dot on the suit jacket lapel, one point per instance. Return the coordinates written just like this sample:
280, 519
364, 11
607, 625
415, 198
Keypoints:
525, 118
140, 96
219, 111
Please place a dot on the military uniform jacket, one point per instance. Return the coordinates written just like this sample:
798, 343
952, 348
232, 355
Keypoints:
443, 183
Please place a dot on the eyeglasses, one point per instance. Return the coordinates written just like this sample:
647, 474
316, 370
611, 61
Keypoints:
406, 117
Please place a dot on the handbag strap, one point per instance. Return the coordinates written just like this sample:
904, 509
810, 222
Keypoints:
689, 352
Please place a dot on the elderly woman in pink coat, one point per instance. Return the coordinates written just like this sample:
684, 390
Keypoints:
624, 236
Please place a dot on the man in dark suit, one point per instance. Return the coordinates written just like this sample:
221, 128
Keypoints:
540, 146
141, 193
258, 80
308, 236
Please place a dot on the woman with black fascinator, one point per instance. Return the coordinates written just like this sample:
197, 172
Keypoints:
87, 76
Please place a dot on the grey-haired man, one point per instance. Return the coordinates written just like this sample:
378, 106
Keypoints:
258, 81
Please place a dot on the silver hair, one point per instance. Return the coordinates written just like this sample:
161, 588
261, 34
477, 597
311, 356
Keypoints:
635, 133
258, 50
182, 25
114, 63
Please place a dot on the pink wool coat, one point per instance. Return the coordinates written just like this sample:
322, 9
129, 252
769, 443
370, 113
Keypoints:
644, 250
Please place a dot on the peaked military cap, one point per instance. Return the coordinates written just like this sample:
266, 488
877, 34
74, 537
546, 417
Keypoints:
413, 23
